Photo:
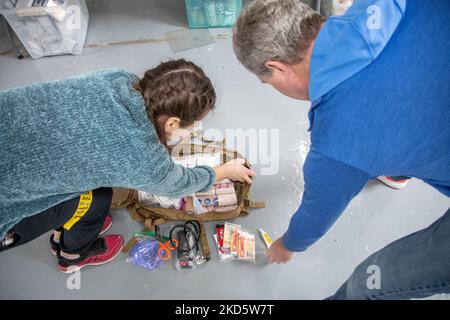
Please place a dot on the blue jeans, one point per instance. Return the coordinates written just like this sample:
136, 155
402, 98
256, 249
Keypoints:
416, 266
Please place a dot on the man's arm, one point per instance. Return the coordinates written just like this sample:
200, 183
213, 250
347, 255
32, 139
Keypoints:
329, 187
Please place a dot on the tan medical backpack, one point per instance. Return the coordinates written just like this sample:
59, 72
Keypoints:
155, 216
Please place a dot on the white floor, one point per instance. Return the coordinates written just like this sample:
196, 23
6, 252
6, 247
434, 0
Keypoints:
375, 218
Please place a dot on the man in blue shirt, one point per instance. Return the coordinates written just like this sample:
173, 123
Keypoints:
383, 63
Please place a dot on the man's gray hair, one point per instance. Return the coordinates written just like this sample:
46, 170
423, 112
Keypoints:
279, 30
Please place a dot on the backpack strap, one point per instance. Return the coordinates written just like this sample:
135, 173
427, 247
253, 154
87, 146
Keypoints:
204, 241
130, 244
256, 204
132, 210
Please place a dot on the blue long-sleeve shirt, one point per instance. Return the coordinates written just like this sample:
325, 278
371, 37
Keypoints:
380, 93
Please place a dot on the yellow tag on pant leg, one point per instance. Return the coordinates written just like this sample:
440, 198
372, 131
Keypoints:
83, 207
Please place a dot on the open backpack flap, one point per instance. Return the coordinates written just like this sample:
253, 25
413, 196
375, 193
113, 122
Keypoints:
154, 216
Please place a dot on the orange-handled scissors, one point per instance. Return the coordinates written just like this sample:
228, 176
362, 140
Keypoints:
165, 249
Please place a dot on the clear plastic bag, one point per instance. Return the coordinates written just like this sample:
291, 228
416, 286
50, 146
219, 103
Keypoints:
223, 257
188, 253
145, 254
235, 243
246, 247
48, 27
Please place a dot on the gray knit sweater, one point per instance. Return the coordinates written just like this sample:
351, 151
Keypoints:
62, 138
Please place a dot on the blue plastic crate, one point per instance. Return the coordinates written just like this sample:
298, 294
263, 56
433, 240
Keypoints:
212, 13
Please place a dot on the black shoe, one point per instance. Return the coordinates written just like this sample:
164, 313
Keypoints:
54, 246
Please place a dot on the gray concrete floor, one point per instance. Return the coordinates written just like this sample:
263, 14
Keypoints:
375, 218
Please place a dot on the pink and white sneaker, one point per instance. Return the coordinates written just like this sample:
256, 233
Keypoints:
395, 182
102, 251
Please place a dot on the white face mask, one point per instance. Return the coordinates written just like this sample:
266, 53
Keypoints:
180, 134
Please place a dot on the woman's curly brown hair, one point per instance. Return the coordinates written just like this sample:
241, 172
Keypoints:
176, 88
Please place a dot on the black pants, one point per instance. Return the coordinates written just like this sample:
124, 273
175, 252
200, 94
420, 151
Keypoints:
79, 221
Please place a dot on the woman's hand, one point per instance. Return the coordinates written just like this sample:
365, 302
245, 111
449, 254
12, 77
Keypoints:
234, 170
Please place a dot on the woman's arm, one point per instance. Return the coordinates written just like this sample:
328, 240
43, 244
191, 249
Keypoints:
160, 175
329, 187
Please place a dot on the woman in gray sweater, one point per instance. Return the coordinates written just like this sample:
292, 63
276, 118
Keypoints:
66, 143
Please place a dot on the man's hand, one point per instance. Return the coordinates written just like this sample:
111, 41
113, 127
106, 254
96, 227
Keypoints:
278, 253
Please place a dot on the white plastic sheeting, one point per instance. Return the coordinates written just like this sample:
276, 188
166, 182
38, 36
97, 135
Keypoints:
48, 27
